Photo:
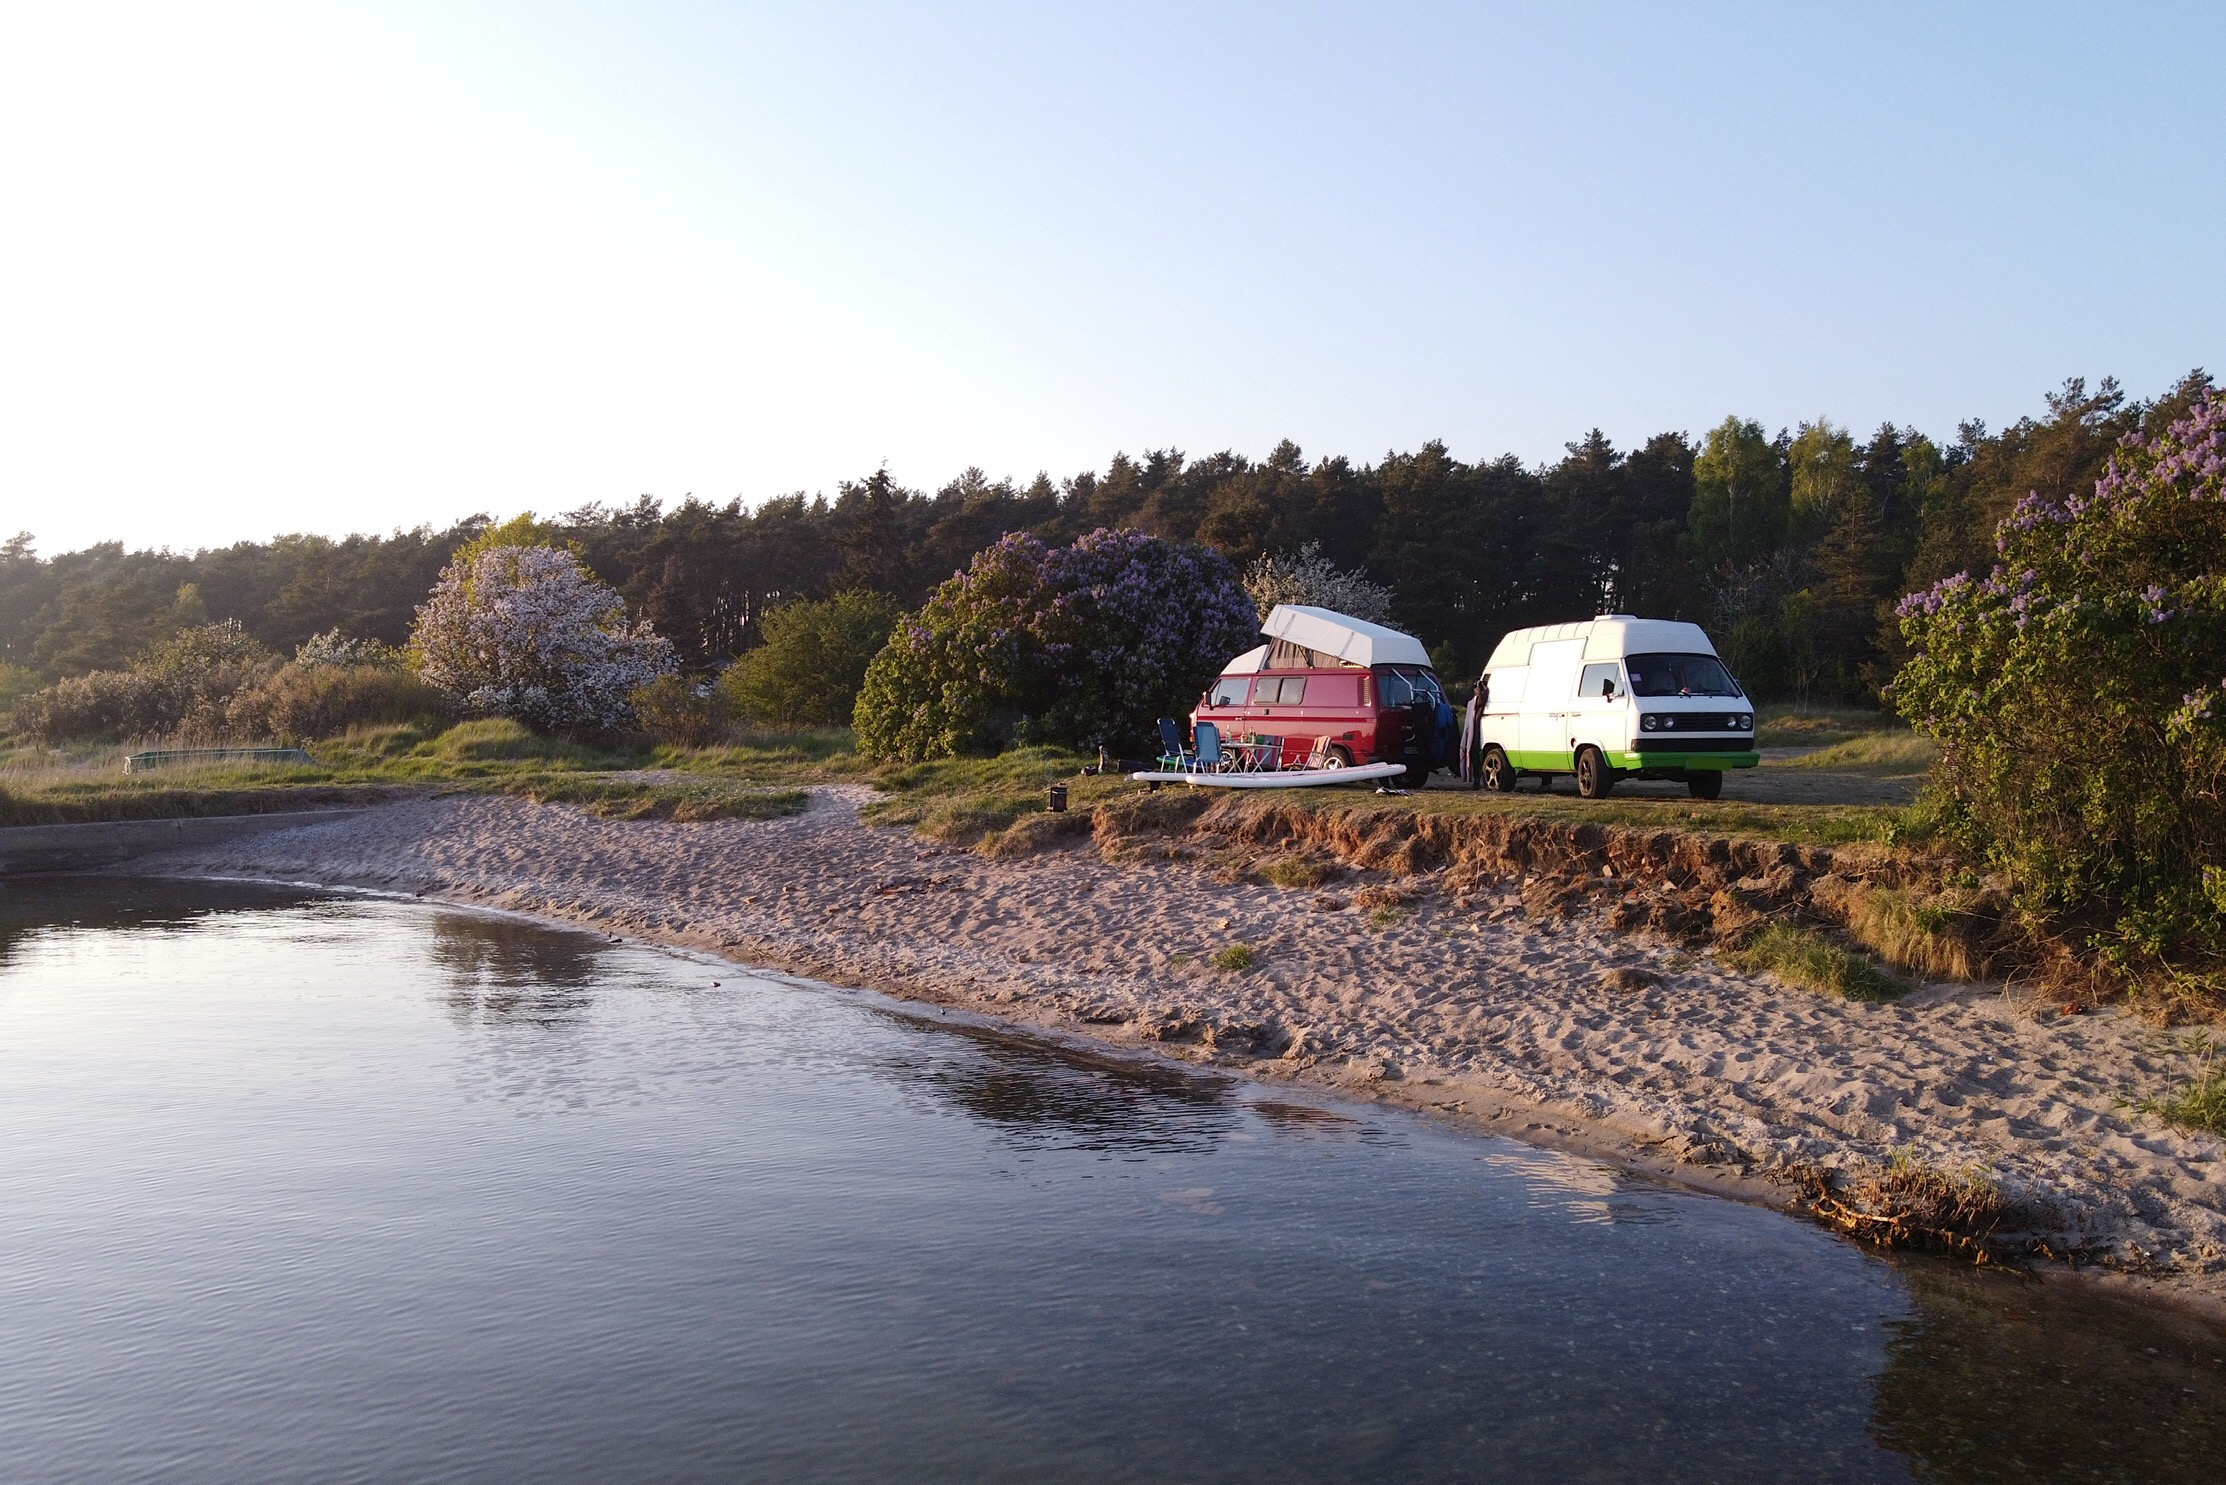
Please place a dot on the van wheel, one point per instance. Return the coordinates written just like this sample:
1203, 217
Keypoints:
1705, 783
1595, 780
1498, 774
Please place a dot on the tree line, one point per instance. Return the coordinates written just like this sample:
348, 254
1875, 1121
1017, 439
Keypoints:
1792, 546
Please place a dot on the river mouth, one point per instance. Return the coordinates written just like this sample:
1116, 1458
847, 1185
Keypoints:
306, 1186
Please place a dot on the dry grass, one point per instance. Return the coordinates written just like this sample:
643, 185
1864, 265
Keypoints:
1038, 832
1906, 1203
1299, 872
1925, 935
1807, 960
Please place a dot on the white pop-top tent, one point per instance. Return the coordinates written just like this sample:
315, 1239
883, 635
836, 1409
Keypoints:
1342, 637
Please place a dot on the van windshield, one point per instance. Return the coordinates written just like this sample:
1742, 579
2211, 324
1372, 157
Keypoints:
1401, 687
1679, 675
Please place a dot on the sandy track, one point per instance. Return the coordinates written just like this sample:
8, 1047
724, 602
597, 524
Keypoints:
1545, 1029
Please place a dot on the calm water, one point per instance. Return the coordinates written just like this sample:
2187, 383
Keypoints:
296, 1187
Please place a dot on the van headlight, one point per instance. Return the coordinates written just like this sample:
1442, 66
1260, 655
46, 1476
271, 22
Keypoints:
1650, 721
1746, 721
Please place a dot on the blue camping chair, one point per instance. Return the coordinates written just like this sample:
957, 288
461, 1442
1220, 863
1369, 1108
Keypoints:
1208, 759
1173, 756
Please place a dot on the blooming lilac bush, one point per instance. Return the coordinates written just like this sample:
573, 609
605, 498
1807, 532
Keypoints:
2078, 692
1083, 646
526, 632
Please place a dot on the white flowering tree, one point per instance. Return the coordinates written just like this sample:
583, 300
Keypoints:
1307, 577
527, 632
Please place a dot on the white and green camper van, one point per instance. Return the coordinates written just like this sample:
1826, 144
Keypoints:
1607, 699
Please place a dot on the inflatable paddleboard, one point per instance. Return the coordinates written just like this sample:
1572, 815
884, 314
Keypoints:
1283, 778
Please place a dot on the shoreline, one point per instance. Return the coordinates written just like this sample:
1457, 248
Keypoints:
1001, 945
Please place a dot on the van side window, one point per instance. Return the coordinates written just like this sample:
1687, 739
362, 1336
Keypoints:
1228, 691
1600, 680
1279, 690
1333, 690
1294, 691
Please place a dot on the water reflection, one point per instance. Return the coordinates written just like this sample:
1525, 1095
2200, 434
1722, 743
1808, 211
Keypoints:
1585, 1189
37, 906
1994, 1379
1041, 1096
361, 1216
503, 971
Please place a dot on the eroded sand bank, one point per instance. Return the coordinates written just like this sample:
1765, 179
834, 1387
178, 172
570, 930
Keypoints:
1557, 1031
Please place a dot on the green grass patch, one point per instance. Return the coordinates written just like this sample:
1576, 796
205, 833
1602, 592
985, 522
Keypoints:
1818, 727
967, 800
1802, 824
1804, 958
1236, 958
812, 755
1901, 754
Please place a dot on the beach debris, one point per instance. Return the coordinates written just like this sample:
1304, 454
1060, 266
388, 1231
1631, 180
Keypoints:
1906, 1203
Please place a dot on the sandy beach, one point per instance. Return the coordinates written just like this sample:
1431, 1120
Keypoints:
1449, 996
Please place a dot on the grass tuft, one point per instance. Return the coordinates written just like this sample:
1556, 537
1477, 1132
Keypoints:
2200, 1103
1808, 960
1235, 958
1916, 933
1298, 872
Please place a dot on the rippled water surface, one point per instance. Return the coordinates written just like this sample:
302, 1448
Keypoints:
301, 1187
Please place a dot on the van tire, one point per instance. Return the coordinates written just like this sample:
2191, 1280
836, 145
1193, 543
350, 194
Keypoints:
1705, 783
1595, 780
1497, 773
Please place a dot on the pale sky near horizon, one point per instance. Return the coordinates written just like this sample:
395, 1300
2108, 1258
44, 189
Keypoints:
334, 267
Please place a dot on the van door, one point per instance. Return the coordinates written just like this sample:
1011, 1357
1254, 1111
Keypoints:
1331, 709
1548, 701
1599, 716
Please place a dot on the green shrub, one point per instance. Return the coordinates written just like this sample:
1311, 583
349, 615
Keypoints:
305, 703
2076, 695
813, 663
1082, 647
182, 687
677, 712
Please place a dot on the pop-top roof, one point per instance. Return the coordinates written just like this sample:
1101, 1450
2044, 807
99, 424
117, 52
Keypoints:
1355, 641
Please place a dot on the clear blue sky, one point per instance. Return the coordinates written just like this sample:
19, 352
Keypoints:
341, 267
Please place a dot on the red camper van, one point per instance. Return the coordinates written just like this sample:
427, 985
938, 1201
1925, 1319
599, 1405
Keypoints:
1367, 689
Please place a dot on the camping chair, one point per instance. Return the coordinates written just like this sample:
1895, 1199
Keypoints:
1265, 755
1173, 756
1207, 758
1318, 755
